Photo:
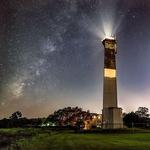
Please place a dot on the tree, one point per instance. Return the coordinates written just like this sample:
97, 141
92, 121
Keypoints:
16, 115
80, 124
142, 112
130, 119
140, 118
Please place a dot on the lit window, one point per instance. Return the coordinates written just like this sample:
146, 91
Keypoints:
110, 73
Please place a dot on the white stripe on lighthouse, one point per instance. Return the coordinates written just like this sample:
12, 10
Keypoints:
110, 73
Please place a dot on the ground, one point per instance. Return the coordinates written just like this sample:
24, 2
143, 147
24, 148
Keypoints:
39, 139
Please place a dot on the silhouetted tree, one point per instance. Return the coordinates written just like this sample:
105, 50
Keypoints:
4, 123
80, 124
140, 118
130, 119
142, 112
16, 115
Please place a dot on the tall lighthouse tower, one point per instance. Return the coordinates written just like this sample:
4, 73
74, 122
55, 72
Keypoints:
111, 114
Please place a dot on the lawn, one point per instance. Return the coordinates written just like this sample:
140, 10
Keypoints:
68, 140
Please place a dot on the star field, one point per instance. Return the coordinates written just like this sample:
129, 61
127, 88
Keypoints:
51, 55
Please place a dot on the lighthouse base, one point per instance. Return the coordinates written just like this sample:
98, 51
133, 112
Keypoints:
112, 118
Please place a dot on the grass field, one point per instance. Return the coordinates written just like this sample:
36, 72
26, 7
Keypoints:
68, 140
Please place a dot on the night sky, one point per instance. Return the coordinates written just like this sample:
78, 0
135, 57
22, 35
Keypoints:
51, 55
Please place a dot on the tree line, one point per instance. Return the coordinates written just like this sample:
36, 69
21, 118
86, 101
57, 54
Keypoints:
139, 118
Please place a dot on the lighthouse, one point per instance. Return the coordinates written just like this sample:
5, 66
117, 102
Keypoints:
111, 113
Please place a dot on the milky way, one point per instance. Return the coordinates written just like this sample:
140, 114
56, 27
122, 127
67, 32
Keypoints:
51, 54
